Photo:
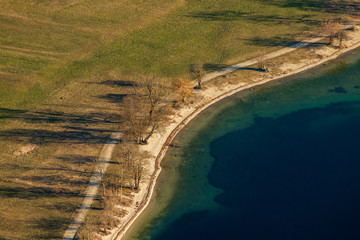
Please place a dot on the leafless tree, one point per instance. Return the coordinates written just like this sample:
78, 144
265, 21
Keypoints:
134, 162
137, 172
120, 179
183, 88
341, 35
197, 70
147, 108
135, 117
331, 29
153, 90
261, 63
86, 232
159, 117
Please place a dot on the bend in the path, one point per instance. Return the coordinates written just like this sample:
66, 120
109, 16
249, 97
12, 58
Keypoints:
271, 55
268, 56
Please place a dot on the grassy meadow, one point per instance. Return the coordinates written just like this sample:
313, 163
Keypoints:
65, 66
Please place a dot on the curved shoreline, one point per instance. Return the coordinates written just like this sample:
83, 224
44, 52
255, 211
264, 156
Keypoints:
173, 131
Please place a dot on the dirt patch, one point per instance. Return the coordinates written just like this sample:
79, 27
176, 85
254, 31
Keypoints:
28, 148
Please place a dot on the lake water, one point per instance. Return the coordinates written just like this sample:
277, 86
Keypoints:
279, 162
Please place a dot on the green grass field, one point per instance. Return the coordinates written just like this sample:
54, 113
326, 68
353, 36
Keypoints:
46, 44
63, 71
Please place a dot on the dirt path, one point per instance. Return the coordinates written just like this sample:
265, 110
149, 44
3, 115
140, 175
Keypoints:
253, 61
271, 55
93, 188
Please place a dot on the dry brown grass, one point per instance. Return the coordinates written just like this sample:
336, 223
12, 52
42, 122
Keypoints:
41, 189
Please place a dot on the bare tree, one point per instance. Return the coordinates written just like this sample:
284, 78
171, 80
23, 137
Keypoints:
331, 29
183, 88
153, 90
135, 162
159, 117
137, 172
147, 108
136, 118
110, 183
121, 180
86, 232
341, 35
128, 152
261, 63
197, 70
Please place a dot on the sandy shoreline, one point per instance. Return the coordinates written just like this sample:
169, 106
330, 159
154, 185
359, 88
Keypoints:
159, 142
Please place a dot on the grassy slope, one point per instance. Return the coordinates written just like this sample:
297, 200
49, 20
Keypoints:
78, 36
65, 61
215, 32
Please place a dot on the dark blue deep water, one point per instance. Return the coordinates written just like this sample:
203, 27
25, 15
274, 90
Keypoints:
281, 162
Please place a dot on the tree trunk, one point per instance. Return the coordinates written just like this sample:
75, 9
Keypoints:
199, 83
340, 41
103, 185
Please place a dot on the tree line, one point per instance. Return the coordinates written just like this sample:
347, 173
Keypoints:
146, 108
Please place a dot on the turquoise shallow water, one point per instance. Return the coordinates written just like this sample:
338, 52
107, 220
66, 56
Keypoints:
280, 162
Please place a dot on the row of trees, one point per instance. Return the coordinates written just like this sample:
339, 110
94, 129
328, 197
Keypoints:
335, 31
149, 104
146, 108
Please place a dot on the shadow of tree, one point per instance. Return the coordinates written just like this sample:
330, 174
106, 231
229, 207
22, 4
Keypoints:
47, 136
251, 69
230, 15
36, 192
10, 112
55, 178
63, 206
9, 167
76, 159
214, 66
53, 117
114, 98
116, 83
329, 6
276, 19
285, 41
272, 42
83, 134
50, 228
51, 224
224, 15
217, 67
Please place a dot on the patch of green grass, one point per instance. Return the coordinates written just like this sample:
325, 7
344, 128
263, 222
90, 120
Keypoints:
48, 43
215, 32
91, 38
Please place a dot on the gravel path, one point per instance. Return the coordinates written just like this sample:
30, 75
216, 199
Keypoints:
93, 188
271, 55
253, 61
